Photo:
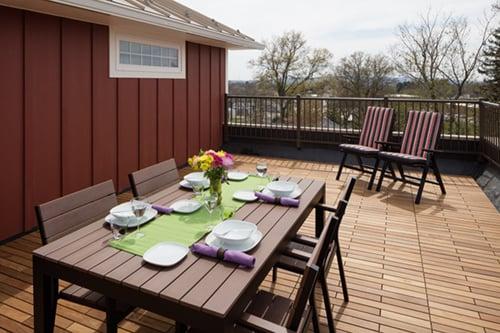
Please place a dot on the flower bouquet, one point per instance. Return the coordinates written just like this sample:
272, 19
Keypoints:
214, 165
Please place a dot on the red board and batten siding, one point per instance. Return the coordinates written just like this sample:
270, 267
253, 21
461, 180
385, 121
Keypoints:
67, 125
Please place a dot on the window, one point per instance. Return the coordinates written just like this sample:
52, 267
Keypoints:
132, 53
131, 56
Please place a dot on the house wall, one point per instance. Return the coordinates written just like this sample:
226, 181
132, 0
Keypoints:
66, 125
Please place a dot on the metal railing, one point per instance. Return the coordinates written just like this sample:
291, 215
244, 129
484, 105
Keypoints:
489, 131
469, 126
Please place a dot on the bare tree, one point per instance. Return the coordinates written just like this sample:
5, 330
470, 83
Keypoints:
462, 60
363, 75
287, 63
422, 49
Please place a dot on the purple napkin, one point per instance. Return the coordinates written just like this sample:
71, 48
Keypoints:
162, 210
236, 257
284, 201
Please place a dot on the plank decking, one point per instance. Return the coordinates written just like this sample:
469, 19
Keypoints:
433, 267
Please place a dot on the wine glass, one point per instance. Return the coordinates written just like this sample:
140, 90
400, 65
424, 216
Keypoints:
197, 188
115, 230
210, 201
139, 207
261, 169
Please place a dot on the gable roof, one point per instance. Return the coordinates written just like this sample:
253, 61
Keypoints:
168, 14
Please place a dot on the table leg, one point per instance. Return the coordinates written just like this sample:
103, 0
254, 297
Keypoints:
180, 327
320, 214
45, 290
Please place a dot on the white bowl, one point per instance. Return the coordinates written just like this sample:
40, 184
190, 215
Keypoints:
281, 188
234, 231
123, 211
196, 178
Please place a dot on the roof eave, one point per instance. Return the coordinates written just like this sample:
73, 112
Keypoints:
114, 9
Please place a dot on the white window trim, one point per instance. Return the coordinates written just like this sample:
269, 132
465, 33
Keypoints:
136, 71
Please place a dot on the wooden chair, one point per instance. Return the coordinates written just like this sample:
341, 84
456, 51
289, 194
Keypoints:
268, 312
153, 178
299, 250
417, 150
376, 127
71, 212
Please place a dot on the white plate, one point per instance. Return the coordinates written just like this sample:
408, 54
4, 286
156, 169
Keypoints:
234, 231
244, 246
194, 175
248, 196
186, 206
122, 211
237, 175
133, 221
165, 254
295, 194
184, 183
281, 188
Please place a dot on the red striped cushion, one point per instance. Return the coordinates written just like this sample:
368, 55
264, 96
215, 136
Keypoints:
376, 126
400, 156
421, 132
358, 148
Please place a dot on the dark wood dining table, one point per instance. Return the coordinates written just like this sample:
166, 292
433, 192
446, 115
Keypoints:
201, 292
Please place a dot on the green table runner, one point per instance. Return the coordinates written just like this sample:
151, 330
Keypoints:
186, 229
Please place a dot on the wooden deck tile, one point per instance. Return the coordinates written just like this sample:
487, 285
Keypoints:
433, 267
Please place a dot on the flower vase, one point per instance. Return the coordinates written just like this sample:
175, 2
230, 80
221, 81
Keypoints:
216, 189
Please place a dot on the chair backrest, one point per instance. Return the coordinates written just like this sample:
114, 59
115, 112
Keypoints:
376, 126
421, 132
64, 215
317, 260
153, 178
349, 187
308, 282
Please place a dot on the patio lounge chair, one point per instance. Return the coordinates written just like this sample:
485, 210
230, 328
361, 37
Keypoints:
153, 178
417, 150
268, 312
299, 250
84, 207
376, 127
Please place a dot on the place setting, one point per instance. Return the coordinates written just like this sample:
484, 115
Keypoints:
202, 224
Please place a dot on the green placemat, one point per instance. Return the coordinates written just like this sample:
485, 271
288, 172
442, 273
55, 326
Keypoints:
186, 229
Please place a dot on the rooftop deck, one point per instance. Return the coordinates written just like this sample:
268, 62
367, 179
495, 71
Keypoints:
433, 267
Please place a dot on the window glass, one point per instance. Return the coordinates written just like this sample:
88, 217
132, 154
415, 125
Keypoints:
135, 47
140, 54
156, 61
124, 58
155, 50
135, 59
124, 46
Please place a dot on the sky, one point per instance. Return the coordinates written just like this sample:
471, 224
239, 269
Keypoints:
341, 26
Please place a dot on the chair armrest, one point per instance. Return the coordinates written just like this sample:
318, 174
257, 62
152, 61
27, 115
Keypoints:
326, 207
261, 325
296, 253
305, 240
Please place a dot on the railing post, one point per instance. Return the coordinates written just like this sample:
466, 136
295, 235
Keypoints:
297, 100
481, 124
224, 125
386, 102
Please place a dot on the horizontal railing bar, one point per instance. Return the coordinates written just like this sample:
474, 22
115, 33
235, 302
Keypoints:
380, 99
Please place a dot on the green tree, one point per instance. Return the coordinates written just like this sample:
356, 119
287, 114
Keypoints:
490, 67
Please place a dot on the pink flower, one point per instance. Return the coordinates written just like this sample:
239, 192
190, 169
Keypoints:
217, 160
228, 161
